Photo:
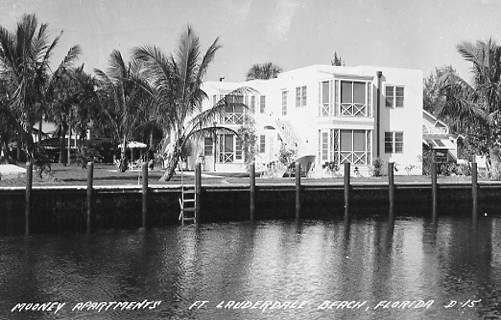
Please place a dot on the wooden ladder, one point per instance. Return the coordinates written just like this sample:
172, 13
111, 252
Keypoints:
188, 205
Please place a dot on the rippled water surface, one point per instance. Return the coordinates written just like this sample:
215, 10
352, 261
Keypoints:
365, 260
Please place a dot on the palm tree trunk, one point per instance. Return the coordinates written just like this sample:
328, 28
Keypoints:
40, 130
123, 164
68, 159
495, 165
171, 165
62, 144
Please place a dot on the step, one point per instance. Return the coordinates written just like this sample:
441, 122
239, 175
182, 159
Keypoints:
189, 209
188, 200
189, 219
188, 191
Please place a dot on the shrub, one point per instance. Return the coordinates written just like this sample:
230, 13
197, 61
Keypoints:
331, 167
377, 167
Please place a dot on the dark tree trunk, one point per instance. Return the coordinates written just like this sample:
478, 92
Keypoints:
495, 163
62, 144
123, 159
171, 165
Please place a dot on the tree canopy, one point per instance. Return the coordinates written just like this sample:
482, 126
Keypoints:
263, 71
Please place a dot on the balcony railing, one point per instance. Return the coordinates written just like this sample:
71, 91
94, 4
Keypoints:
234, 118
354, 109
226, 157
354, 157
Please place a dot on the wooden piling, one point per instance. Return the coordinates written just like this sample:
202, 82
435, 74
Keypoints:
434, 190
27, 202
198, 190
298, 190
252, 202
144, 210
474, 192
90, 191
391, 189
346, 188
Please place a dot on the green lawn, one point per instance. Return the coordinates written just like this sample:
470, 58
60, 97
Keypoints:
109, 175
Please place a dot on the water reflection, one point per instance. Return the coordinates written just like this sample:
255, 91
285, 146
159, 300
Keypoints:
368, 259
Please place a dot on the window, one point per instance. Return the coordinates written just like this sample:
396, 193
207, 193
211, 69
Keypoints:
234, 110
326, 106
262, 143
393, 142
253, 104
284, 103
226, 148
208, 146
301, 96
238, 148
353, 99
325, 146
262, 104
345, 145
394, 97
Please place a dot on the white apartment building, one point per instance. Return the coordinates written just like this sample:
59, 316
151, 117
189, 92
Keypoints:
337, 114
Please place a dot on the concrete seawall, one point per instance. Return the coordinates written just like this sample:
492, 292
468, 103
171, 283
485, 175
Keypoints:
63, 209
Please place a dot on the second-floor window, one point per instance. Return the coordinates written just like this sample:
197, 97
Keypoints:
284, 103
394, 97
393, 142
234, 110
253, 104
262, 143
353, 99
301, 96
262, 104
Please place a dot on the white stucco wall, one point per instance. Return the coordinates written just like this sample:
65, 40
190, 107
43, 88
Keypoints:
305, 121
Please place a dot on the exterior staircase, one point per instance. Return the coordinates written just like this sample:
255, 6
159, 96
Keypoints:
287, 134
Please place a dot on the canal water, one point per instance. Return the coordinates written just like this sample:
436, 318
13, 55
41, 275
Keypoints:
444, 270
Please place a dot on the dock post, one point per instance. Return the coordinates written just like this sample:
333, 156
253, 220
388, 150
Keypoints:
298, 190
144, 210
391, 189
90, 191
346, 188
198, 190
27, 202
434, 190
252, 203
474, 192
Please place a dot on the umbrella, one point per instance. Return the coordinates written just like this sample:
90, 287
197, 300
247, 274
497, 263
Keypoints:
134, 145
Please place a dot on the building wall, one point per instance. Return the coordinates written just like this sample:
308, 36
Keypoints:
305, 121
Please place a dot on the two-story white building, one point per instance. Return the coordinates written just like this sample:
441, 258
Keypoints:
337, 114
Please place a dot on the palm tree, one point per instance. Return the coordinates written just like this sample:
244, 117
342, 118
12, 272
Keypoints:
177, 80
263, 71
475, 108
70, 91
25, 69
122, 94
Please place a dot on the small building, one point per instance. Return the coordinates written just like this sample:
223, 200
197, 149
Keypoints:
336, 114
438, 139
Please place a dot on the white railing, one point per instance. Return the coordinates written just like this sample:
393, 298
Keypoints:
234, 118
288, 136
354, 109
354, 157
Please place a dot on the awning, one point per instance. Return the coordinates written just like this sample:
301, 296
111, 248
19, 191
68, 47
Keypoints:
440, 144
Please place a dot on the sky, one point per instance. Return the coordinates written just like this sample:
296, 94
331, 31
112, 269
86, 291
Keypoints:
413, 34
